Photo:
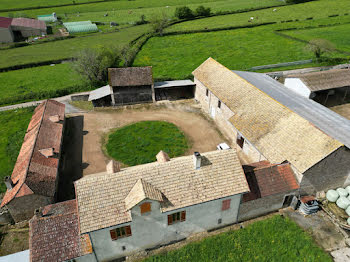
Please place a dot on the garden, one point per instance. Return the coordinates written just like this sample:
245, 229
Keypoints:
139, 143
274, 239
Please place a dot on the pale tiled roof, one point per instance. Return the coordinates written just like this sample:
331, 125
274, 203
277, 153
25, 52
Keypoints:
140, 191
276, 131
101, 196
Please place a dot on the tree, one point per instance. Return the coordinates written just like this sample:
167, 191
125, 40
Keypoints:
93, 63
159, 23
183, 12
202, 11
320, 47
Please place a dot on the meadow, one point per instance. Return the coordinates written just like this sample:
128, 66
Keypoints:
139, 143
175, 57
338, 35
13, 125
271, 240
68, 48
39, 83
283, 13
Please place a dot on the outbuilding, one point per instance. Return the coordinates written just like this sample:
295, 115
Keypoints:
174, 90
6, 35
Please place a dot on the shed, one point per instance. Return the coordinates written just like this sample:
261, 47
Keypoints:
6, 35
131, 85
173, 90
80, 27
101, 96
27, 27
319, 85
48, 18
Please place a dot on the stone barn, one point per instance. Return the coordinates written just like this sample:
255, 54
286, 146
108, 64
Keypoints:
34, 180
320, 86
131, 85
268, 121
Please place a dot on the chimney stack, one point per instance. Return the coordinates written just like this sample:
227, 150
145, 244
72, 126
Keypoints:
113, 167
8, 183
197, 160
162, 157
38, 212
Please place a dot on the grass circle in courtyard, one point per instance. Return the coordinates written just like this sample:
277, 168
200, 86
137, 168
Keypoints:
139, 143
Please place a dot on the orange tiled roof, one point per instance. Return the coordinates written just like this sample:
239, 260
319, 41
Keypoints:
33, 172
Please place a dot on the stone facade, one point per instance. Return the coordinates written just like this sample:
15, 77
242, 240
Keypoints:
151, 229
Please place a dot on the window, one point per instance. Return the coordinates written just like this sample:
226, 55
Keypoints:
120, 232
219, 104
145, 207
226, 204
207, 92
240, 140
177, 217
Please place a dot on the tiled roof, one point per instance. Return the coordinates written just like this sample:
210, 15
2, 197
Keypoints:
5, 22
140, 191
130, 76
34, 173
277, 132
101, 196
55, 236
317, 81
27, 22
267, 179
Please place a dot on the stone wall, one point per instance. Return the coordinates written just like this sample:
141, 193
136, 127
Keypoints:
22, 208
151, 229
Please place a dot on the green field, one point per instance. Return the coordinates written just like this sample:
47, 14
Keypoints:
338, 35
67, 48
38, 83
130, 11
175, 57
139, 143
272, 240
13, 125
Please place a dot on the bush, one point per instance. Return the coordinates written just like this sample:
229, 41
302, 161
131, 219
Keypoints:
202, 11
184, 12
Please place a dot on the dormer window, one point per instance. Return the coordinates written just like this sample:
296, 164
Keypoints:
145, 207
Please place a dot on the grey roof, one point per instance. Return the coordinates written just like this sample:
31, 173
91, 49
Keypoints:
323, 118
19, 256
176, 83
100, 92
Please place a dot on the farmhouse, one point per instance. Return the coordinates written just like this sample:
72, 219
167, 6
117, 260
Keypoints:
314, 85
13, 29
34, 179
271, 122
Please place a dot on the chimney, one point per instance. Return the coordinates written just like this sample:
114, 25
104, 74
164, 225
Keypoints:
162, 157
38, 212
8, 183
113, 167
197, 160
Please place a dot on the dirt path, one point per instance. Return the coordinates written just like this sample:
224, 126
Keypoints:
201, 132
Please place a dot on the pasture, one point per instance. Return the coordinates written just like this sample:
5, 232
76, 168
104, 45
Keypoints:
38, 83
273, 239
13, 125
175, 57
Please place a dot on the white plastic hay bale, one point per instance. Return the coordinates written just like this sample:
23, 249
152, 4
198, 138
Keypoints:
348, 189
343, 202
332, 195
342, 192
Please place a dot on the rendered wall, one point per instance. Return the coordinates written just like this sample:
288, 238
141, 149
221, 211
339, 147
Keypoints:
297, 86
6, 35
152, 229
22, 208
332, 172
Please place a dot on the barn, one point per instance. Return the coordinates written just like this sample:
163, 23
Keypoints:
6, 35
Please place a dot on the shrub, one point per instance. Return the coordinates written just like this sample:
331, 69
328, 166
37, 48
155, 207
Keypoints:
202, 11
184, 12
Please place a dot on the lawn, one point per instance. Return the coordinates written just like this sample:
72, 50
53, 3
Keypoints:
67, 48
139, 143
339, 35
272, 240
13, 125
130, 11
39, 83
315, 9
175, 57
